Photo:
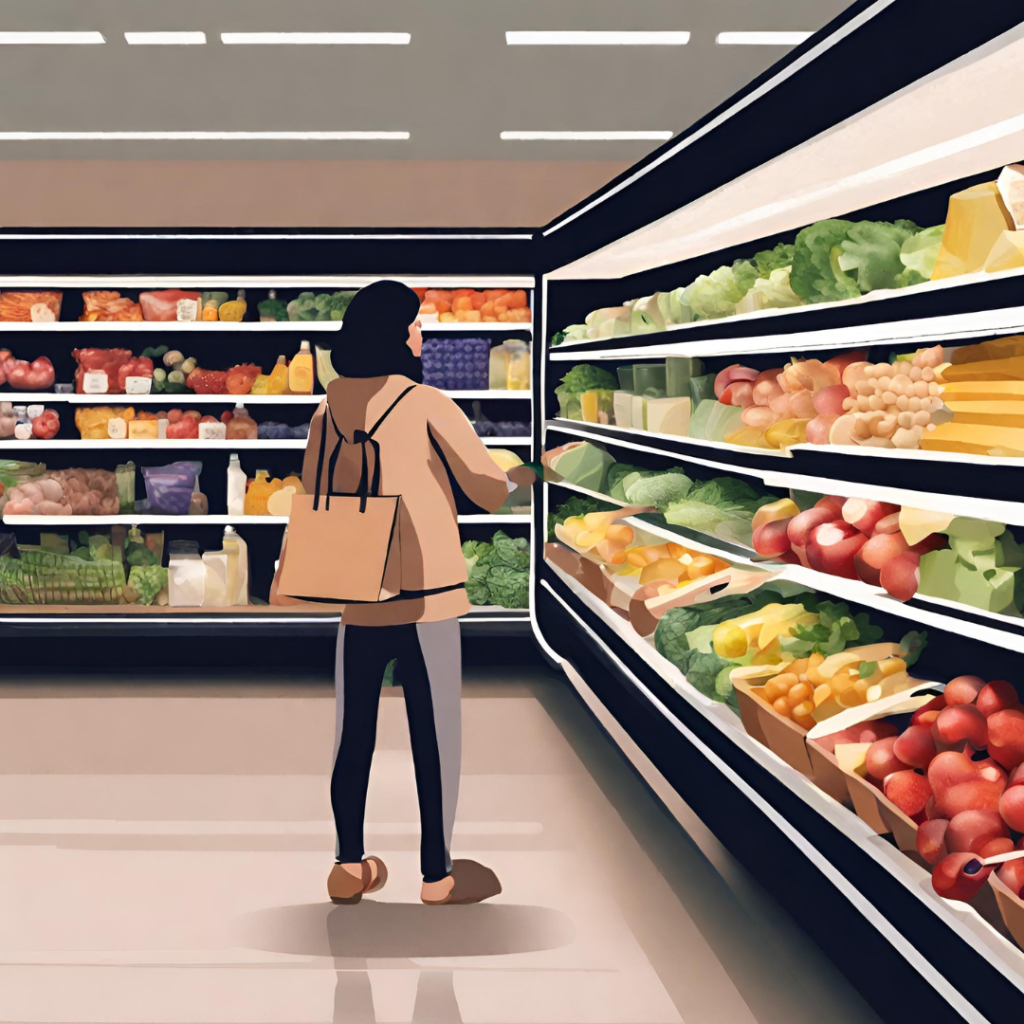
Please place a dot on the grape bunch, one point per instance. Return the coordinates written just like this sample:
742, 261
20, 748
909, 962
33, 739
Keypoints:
893, 403
456, 364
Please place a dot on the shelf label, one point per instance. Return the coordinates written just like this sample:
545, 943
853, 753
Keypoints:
95, 382
138, 385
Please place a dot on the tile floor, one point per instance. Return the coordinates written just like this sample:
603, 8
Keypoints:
164, 849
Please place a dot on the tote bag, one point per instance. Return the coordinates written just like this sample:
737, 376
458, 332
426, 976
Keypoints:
344, 548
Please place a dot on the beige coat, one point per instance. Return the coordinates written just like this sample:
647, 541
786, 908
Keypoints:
425, 421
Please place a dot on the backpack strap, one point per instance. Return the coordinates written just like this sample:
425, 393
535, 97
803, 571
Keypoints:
388, 411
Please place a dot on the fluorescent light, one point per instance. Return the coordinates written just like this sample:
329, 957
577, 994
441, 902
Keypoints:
197, 136
597, 38
165, 38
50, 38
761, 38
315, 38
632, 136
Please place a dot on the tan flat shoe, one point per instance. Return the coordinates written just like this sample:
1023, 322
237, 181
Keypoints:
471, 883
343, 887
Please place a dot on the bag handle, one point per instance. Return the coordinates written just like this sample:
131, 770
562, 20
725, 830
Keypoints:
365, 488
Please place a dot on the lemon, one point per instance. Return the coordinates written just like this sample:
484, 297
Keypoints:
729, 641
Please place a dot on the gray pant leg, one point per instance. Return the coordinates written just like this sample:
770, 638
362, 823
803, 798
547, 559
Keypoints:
441, 644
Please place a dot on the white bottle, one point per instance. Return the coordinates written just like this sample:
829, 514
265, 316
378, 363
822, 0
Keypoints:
236, 487
237, 552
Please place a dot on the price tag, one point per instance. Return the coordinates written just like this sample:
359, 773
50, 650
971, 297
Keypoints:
95, 382
138, 385
213, 431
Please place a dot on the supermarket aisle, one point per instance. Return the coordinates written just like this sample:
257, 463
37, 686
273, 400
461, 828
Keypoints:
164, 849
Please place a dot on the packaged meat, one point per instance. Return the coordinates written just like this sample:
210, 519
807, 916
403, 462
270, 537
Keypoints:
22, 375
103, 366
29, 307
92, 420
207, 382
109, 306
164, 305
81, 492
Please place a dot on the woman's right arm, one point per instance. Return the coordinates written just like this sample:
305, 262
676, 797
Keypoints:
475, 471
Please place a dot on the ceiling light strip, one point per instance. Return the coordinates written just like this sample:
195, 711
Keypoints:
51, 38
346, 136
315, 38
762, 38
787, 72
586, 38
628, 136
165, 38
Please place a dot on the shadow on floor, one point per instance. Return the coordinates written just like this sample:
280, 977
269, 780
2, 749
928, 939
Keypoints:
436, 1002
372, 930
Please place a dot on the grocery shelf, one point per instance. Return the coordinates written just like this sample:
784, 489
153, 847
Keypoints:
168, 445
284, 282
926, 330
876, 882
172, 326
479, 328
213, 520
963, 482
27, 397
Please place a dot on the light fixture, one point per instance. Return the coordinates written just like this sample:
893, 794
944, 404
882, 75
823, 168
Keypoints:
315, 38
597, 38
165, 38
761, 38
629, 136
51, 38
198, 136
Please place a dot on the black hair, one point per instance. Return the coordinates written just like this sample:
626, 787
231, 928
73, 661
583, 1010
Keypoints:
375, 332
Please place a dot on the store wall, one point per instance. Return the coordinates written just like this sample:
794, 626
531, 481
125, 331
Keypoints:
293, 193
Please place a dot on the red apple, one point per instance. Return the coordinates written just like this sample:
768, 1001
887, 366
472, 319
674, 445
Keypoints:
832, 503
1011, 807
960, 784
1006, 737
931, 840
801, 524
881, 761
994, 847
927, 713
915, 746
909, 791
997, 695
872, 557
959, 726
866, 732
1011, 874
964, 689
864, 513
832, 547
901, 576
772, 539
970, 831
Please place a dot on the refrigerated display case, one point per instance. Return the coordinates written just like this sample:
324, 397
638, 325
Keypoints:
265, 266
653, 285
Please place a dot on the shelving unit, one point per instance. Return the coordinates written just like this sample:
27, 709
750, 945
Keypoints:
734, 184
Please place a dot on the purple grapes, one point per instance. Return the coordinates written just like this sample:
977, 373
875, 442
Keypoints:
456, 364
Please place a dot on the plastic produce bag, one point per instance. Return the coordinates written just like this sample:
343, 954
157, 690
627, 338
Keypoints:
169, 488
30, 307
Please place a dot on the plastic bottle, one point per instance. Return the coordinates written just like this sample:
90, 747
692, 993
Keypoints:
237, 552
236, 487
518, 365
198, 504
259, 492
278, 383
300, 371
233, 311
498, 368
241, 426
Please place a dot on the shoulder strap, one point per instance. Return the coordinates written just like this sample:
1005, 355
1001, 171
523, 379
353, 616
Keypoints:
389, 410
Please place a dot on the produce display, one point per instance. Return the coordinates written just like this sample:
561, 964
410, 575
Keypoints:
26, 422
499, 571
456, 364
22, 375
467, 305
835, 260
29, 307
108, 307
32, 489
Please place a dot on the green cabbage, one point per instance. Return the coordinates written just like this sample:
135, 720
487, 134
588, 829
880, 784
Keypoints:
771, 292
871, 252
919, 253
585, 377
816, 276
500, 571
660, 490
713, 295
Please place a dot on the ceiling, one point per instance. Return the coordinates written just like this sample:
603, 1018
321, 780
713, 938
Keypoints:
454, 89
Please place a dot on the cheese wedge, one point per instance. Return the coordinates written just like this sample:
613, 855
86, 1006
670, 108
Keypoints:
668, 416
984, 391
976, 218
1009, 368
1007, 253
994, 414
974, 439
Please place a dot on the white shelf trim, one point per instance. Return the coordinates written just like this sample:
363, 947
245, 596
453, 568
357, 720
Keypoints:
216, 520
10, 282
173, 326
60, 444
31, 397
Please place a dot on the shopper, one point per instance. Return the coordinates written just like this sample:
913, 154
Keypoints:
413, 436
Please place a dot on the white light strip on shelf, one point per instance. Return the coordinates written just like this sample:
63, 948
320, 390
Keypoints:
11, 281
793, 781
51, 38
762, 90
584, 136
157, 619
292, 237
165, 38
196, 136
589, 38
1009, 512
315, 38
762, 38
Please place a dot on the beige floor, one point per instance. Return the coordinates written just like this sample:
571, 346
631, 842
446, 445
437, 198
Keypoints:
164, 848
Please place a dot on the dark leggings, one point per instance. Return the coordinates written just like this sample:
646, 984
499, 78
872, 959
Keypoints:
429, 671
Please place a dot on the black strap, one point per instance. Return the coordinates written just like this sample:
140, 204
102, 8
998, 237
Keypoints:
361, 437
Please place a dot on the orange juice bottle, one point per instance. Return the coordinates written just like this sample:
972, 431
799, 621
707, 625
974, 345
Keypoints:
259, 492
278, 383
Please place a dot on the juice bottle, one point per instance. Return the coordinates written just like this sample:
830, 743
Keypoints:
589, 401
241, 426
259, 493
498, 368
233, 311
518, 365
278, 384
300, 371
237, 552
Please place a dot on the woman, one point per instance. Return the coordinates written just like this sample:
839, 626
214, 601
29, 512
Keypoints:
424, 435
